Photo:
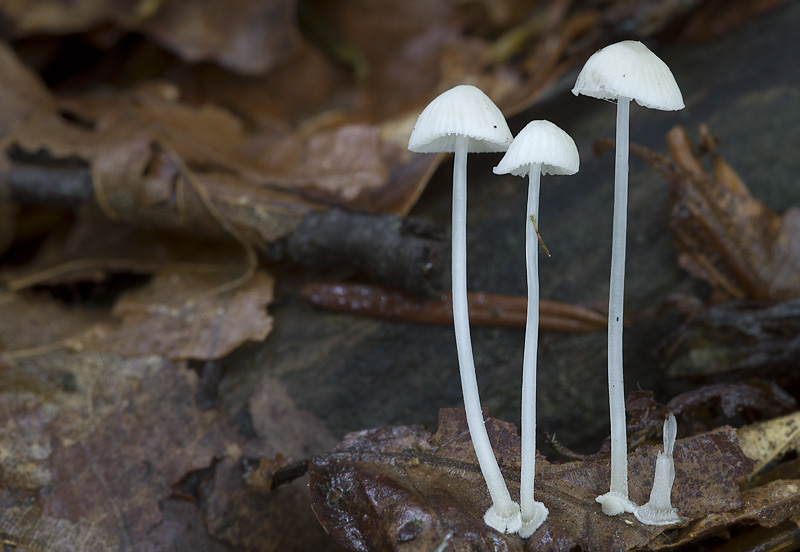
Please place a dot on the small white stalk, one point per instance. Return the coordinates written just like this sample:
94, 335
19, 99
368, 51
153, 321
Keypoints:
659, 510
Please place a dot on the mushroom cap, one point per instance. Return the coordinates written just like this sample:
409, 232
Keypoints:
540, 142
629, 69
461, 111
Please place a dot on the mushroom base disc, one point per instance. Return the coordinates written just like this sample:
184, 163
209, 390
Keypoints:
654, 516
509, 520
614, 503
529, 526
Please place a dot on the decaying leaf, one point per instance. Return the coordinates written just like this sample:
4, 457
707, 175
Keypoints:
723, 234
734, 404
769, 441
767, 506
101, 452
183, 314
736, 339
202, 302
401, 487
245, 35
249, 518
701, 410
93, 430
22, 93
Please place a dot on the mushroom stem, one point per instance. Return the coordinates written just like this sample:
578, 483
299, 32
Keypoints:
533, 513
616, 501
659, 510
504, 513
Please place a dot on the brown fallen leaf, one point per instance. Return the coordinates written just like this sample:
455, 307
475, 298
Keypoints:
100, 452
103, 438
248, 36
202, 302
722, 233
22, 93
736, 339
766, 506
403, 488
185, 314
770, 441
251, 518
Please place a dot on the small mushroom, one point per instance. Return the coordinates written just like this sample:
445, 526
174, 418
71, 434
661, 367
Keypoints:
659, 510
623, 71
540, 148
464, 120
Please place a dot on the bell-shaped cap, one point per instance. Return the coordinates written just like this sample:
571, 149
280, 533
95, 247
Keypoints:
540, 142
461, 111
629, 69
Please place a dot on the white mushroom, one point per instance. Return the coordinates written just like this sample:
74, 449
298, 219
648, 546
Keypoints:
464, 120
659, 510
540, 148
623, 71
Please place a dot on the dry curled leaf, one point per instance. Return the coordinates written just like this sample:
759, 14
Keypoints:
401, 487
723, 234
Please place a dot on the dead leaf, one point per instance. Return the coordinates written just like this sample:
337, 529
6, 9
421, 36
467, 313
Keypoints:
32, 324
184, 313
244, 35
737, 339
251, 519
102, 439
734, 404
769, 441
722, 233
767, 505
22, 93
403, 487
100, 452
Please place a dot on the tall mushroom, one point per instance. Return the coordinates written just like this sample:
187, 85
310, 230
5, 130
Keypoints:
539, 148
464, 120
623, 71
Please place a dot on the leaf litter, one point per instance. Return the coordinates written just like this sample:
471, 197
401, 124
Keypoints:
402, 487
98, 451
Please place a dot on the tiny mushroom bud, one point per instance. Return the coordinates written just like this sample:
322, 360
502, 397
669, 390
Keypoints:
623, 71
464, 120
659, 510
540, 148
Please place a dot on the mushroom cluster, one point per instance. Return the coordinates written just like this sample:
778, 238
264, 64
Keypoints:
464, 120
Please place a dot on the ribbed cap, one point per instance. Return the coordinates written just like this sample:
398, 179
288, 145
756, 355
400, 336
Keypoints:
540, 142
629, 69
461, 111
